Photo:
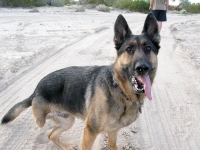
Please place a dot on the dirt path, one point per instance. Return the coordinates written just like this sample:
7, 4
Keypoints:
170, 121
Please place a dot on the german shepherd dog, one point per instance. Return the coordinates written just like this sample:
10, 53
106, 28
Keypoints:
106, 98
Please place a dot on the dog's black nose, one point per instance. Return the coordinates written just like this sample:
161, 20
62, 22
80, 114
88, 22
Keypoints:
141, 68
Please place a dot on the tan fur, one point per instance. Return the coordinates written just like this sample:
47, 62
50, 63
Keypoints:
112, 138
112, 118
88, 136
103, 107
40, 110
63, 121
18, 111
125, 85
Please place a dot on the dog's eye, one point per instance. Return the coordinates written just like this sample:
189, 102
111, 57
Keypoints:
148, 48
129, 50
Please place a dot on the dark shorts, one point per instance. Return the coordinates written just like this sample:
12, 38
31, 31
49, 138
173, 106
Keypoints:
160, 15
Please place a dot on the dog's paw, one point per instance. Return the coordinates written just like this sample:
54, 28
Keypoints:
71, 147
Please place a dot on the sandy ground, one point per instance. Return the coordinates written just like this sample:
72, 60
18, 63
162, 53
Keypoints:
35, 44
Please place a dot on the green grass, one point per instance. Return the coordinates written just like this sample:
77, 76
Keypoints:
137, 5
194, 8
16, 3
191, 8
140, 6
31, 3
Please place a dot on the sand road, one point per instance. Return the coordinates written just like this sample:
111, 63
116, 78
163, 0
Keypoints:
169, 122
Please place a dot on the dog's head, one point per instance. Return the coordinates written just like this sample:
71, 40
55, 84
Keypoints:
136, 61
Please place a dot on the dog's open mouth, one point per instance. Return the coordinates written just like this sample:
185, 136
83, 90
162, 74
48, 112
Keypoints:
142, 84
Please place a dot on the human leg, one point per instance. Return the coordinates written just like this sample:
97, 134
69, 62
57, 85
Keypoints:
160, 25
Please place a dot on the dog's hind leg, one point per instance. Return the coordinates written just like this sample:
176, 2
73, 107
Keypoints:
63, 121
40, 110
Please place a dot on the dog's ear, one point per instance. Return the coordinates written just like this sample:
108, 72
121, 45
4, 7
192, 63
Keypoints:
121, 31
151, 28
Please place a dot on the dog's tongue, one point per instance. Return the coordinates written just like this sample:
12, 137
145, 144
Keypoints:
147, 85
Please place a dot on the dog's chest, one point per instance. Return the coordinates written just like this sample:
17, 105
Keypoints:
130, 114
125, 115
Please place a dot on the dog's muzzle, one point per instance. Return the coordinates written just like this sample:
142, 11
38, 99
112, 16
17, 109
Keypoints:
141, 83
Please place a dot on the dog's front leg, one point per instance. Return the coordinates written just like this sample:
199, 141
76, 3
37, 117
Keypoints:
112, 139
88, 138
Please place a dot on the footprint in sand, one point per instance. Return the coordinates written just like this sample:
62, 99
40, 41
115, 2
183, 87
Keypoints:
42, 138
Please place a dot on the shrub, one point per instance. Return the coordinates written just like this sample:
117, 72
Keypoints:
194, 8
103, 8
17, 3
39, 3
57, 3
183, 11
139, 6
185, 4
125, 4
105, 2
91, 1
109, 2
30, 3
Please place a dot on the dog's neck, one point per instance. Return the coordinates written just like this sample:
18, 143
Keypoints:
140, 102
124, 85
115, 84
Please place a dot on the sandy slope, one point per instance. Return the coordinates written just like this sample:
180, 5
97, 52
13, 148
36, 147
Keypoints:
65, 38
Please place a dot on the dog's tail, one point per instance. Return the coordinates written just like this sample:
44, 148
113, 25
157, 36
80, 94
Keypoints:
17, 109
